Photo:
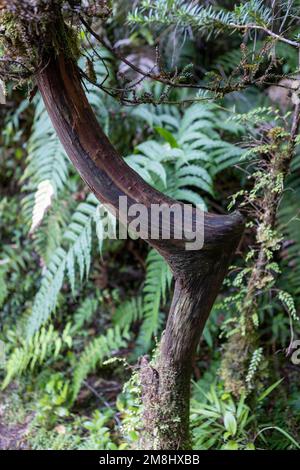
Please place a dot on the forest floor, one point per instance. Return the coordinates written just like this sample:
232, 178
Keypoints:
14, 427
13, 437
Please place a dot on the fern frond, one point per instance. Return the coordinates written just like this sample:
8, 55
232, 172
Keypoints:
46, 299
49, 236
128, 313
205, 19
196, 142
3, 286
289, 225
84, 313
47, 168
76, 251
157, 283
45, 343
96, 352
223, 155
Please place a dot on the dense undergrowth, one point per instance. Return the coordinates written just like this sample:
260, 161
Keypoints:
78, 311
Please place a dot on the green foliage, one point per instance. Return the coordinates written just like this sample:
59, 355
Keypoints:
47, 168
196, 147
220, 422
289, 224
46, 298
84, 313
3, 287
254, 363
53, 403
42, 345
128, 312
99, 437
76, 308
257, 279
47, 165
289, 303
129, 405
95, 353
180, 169
157, 283
206, 19
78, 243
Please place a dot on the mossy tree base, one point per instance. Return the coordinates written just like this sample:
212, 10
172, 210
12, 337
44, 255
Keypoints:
165, 396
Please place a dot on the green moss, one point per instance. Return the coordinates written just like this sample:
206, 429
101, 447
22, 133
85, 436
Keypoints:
237, 365
70, 42
234, 364
21, 40
14, 40
165, 393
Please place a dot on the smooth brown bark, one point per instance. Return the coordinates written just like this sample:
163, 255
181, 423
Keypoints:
198, 274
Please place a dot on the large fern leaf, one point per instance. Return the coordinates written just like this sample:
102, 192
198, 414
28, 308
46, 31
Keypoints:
47, 168
76, 251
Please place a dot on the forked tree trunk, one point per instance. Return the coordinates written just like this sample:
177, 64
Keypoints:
198, 274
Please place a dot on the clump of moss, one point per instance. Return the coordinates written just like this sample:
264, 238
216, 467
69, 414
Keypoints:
234, 365
15, 49
237, 367
31, 28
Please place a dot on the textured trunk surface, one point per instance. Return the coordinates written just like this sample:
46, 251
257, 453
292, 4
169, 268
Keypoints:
198, 274
166, 383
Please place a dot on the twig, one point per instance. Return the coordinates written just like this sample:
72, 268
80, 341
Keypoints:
137, 69
267, 31
100, 397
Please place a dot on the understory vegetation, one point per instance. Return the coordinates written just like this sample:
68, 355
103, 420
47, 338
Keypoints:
79, 311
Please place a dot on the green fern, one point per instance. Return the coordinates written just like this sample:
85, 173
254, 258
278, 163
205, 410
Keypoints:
289, 225
96, 352
205, 19
128, 313
147, 308
255, 361
157, 283
46, 299
47, 168
3, 286
45, 343
77, 252
193, 139
49, 235
84, 313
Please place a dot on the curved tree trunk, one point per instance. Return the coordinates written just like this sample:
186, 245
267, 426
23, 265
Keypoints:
198, 274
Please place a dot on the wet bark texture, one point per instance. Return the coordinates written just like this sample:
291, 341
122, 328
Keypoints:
198, 274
